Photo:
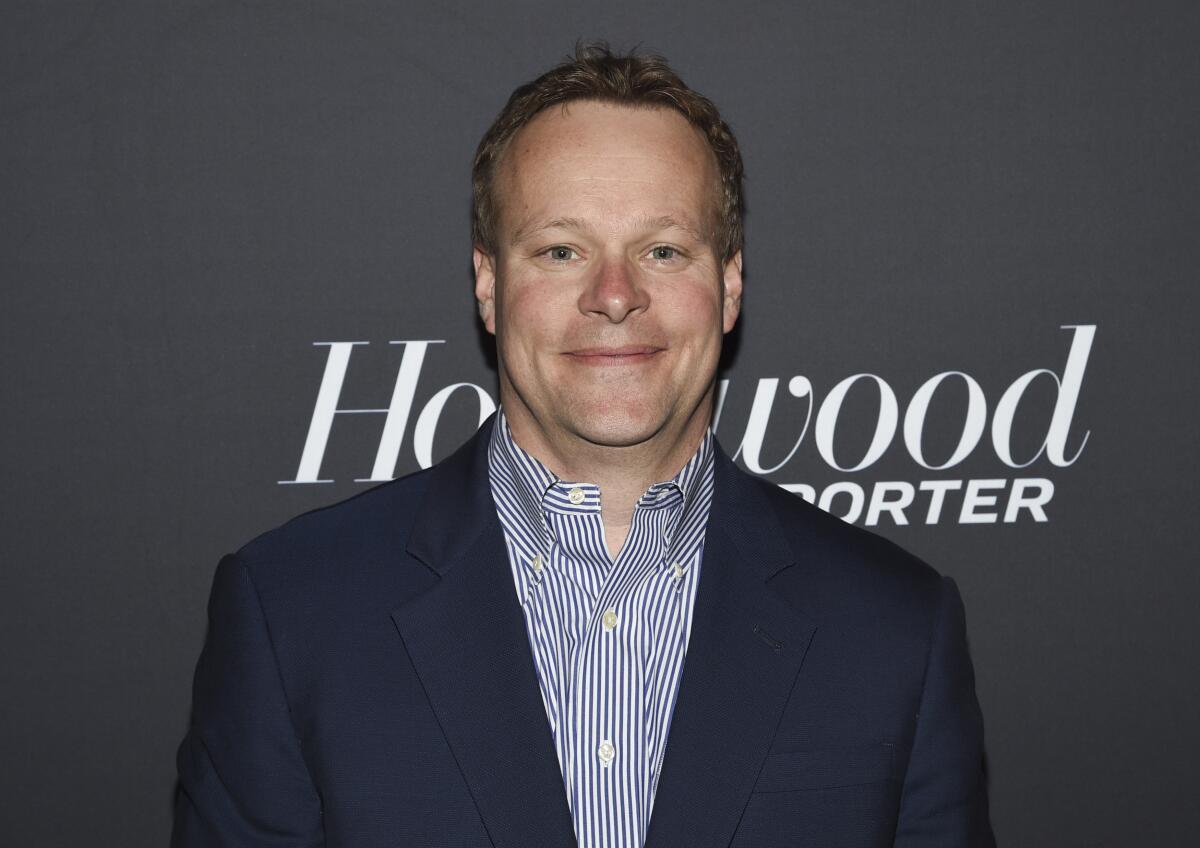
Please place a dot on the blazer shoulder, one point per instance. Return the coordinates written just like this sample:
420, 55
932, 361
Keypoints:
379, 518
361, 548
851, 565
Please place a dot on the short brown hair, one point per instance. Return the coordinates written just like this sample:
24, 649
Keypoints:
595, 73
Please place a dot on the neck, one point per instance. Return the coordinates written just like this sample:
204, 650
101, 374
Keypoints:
623, 472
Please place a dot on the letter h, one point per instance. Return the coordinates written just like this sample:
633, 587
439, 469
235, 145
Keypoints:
326, 408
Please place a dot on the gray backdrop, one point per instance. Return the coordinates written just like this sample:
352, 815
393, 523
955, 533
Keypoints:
204, 203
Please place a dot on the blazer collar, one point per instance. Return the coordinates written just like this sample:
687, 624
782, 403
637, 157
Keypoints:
746, 649
466, 639
458, 504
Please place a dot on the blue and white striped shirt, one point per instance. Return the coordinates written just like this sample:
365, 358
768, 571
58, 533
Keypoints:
608, 636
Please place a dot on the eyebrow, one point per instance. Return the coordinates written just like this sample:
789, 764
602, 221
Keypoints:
661, 222
530, 228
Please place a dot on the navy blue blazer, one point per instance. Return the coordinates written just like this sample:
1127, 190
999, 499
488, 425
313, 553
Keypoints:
367, 680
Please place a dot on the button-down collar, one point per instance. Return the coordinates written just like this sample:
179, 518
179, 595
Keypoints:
539, 490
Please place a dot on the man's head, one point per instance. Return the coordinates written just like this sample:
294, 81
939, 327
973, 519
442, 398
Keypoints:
607, 228
634, 81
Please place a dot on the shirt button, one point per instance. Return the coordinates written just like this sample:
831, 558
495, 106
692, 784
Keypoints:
575, 496
610, 619
537, 564
606, 753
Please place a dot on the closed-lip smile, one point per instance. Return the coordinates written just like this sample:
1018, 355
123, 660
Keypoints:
621, 355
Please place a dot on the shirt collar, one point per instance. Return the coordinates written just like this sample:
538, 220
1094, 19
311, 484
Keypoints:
533, 482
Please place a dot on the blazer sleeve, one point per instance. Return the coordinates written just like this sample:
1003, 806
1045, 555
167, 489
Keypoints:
944, 800
242, 778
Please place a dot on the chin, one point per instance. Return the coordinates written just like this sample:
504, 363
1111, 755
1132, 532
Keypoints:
618, 428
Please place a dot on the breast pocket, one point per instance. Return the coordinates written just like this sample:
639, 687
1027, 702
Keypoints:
827, 768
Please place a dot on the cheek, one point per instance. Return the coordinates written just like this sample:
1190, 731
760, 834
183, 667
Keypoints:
521, 308
693, 316
537, 314
530, 324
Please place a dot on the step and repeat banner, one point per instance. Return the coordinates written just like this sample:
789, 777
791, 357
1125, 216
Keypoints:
237, 279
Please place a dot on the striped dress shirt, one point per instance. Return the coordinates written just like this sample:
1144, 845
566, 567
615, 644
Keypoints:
608, 637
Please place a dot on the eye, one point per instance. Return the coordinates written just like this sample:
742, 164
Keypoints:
559, 253
663, 253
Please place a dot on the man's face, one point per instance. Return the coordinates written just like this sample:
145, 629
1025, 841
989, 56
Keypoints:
606, 296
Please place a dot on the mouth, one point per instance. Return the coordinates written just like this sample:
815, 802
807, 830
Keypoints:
624, 355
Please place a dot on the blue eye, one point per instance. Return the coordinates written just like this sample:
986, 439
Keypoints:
559, 253
663, 252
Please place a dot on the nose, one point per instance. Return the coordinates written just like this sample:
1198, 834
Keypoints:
613, 292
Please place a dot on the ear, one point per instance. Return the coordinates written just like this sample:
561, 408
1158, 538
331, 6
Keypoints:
732, 305
485, 288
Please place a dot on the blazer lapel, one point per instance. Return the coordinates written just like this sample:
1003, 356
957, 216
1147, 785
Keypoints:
467, 641
745, 652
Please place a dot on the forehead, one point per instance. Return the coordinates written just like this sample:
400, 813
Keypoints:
601, 160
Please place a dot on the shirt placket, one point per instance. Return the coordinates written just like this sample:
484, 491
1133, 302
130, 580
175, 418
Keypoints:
591, 619
614, 742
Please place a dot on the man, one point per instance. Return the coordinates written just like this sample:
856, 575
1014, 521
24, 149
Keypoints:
587, 626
